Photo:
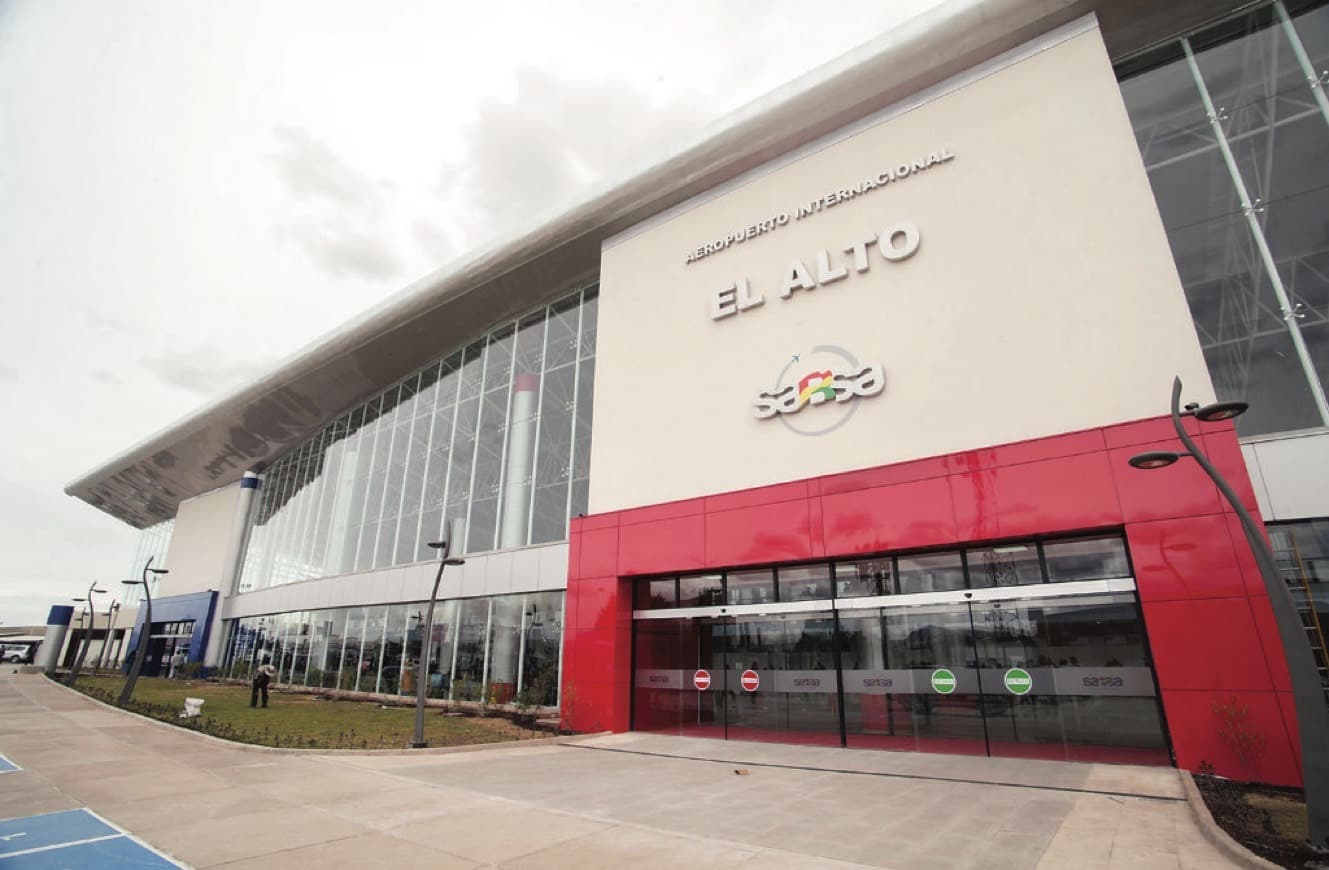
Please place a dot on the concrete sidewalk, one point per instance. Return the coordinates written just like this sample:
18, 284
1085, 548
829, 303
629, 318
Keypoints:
606, 802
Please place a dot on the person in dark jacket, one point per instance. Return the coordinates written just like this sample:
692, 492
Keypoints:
262, 678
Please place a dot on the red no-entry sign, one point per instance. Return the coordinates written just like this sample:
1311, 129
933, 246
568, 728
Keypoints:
702, 680
750, 681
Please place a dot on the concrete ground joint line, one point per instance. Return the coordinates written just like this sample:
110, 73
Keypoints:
572, 839
283, 851
888, 775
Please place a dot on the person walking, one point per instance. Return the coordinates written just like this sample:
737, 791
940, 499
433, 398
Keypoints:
177, 664
262, 677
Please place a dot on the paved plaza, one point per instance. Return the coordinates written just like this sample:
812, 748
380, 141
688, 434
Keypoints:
602, 802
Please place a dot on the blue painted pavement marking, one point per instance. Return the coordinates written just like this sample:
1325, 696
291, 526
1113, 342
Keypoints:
50, 829
73, 839
118, 851
7, 766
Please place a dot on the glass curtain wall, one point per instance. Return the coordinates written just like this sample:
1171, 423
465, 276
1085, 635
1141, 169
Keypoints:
1302, 550
501, 649
1233, 126
153, 542
496, 435
893, 653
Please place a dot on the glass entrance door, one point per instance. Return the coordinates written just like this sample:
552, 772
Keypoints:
1050, 676
780, 678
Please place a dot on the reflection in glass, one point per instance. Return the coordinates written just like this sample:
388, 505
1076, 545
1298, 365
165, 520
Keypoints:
1004, 565
653, 594
703, 591
373, 487
377, 649
865, 577
750, 587
1231, 254
934, 572
804, 582
1086, 559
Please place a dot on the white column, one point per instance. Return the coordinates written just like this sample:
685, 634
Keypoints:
521, 440
241, 524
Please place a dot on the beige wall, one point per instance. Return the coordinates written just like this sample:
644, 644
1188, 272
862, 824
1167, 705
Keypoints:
1042, 299
198, 543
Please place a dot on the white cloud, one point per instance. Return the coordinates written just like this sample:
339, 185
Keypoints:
188, 195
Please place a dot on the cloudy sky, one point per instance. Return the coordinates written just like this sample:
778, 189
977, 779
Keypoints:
190, 191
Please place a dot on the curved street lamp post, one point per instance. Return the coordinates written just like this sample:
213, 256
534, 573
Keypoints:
87, 635
1308, 693
127, 692
443, 546
110, 627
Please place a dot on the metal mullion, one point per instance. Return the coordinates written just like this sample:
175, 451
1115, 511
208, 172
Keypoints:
282, 506
328, 493
1299, 49
290, 513
352, 445
387, 476
369, 482
539, 420
429, 460
1213, 146
572, 430
521, 644
295, 540
475, 448
456, 640
1271, 268
382, 648
489, 632
405, 469
276, 524
318, 484
507, 438
310, 503
562, 634
447, 472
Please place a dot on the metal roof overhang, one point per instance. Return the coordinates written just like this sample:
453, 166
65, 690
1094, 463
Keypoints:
251, 426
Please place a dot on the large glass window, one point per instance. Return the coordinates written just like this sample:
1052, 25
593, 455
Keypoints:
1233, 137
495, 436
503, 649
1012, 563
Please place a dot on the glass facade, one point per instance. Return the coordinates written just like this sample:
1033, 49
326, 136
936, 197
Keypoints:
501, 649
1233, 126
1302, 551
153, 542
495, 435
1056, 560
895, 654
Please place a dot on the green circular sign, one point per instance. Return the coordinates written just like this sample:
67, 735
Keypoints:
943, 681
1018, 681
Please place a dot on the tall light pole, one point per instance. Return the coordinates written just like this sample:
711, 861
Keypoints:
87, 637
1307, 692
111, 611
443, 546
127, 692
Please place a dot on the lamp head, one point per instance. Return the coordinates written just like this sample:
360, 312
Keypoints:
158, 571
1221, 411
1154, 459
99, 591
79, 600
132, 582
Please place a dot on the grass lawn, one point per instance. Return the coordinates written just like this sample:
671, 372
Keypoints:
300, 720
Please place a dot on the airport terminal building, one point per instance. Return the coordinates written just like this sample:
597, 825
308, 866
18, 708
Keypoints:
818, 430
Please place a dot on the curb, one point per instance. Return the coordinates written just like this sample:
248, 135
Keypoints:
1215, 834
282, 750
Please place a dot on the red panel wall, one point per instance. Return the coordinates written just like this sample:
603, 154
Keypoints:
1209, 621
